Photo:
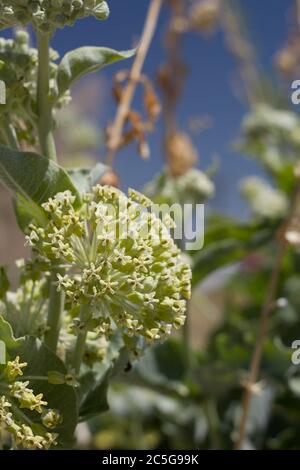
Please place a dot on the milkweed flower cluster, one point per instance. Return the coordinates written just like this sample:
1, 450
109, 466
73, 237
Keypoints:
264, 200
17, 397
119, 259
194, 186
19, 69
48, 15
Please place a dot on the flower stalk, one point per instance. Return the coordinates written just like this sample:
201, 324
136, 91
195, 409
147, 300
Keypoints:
10, 133
56, 306
264, 323
47, 143
78, 352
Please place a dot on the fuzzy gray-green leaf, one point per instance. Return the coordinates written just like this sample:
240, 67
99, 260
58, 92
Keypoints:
33, 179
84, 60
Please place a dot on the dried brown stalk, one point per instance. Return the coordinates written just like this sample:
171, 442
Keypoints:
172, 74
298, 11
243, 50
138, 126
129, 90
264, 322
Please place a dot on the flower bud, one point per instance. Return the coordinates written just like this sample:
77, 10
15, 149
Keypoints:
46, 15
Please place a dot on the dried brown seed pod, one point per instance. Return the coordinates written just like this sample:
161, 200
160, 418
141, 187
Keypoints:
181, 153
204, 15
286, 61
110, 178
166, 82
151, 103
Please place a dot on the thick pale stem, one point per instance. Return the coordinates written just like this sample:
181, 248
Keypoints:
56, 306
186, 333
10, 133
80, 342
47, 143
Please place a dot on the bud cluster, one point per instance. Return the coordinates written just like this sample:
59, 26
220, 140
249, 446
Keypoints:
18, 70
194, 186
48, 15
18, 396
119, 259
264, 200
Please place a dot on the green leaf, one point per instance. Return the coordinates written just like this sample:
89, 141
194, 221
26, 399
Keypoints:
163, 368
84, 60
41, 360
163, 362
228, 242
94, 400
94, 384
6, 335
85, 178
26, 212
33, 179
294, 385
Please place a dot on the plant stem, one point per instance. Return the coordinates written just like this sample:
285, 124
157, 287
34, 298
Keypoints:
264, 322
237, 39
81, 339
175, 63
47, 143
10, 133
34, 377
22, 416
186, 340
257, 353
129, 90
3, 386
211, 413
298, 12
56, 306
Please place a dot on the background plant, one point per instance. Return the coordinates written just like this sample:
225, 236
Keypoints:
179, 395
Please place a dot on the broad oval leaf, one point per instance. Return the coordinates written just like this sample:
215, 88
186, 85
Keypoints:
93, 390
33, 179
228, 242
94, 400
85, 178
84, 60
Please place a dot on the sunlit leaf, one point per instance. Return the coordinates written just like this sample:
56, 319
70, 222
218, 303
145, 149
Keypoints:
33, 179
85, 60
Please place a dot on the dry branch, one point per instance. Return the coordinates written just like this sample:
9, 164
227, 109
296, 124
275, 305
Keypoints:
128, 93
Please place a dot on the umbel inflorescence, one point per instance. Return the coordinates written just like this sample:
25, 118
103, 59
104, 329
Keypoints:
119, 259
19, 69
18, 397
48, 15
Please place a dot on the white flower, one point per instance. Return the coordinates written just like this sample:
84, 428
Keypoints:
119, 259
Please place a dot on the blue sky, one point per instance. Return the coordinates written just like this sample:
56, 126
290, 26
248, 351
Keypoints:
208, 90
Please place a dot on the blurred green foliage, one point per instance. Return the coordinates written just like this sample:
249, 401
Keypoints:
169, 403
